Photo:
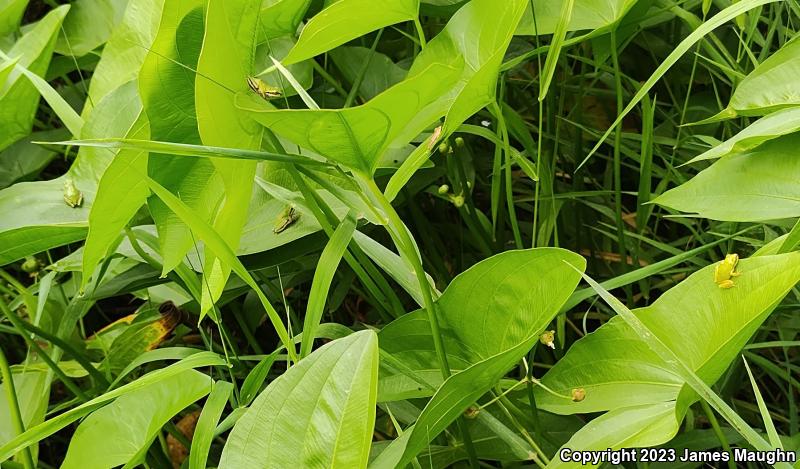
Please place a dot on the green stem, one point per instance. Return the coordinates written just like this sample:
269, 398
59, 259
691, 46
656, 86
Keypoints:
717, 431
420, 33
406, 247
13, 404
618, 158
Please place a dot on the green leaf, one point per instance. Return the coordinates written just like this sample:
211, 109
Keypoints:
88, 25
125, 51
518, 293
555, 47
729, 191
120, 194
323, 276
356, 137
769, 127
223, 67
479, 61
36, 216
586, 15
214, 242
690, 354
167, 86
629, 427
320, 413
25, 159
381, 72
63, 110
772, 85
129, 424
43, 430
281, 17
18, 97
11, 12
345, 20
207, 423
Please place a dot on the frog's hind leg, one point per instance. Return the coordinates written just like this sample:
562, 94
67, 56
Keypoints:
726, 284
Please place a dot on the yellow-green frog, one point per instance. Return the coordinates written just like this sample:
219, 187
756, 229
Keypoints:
262, 89
288, 216
72, 196
726, 271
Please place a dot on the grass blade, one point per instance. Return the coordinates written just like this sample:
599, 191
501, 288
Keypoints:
772, 434
215, 242
555, 48
204, 432
323, 275
718, 20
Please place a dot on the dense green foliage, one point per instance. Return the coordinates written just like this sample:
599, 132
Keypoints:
391, 233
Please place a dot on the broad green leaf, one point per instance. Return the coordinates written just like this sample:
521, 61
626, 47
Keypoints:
129, 424
696, 386
32, 387
24, 159
224, 64
88, 25
281, 17
11, 12
345, 20
125, 51
518, 293
36, 217
356, 137
586, 15
18, 97
120, 194
771, 126
729, 191
504, 300
629, 427
714, 325
43, 430
167, 86
320, 413
480, 63
381, 72
771, 86
323, 276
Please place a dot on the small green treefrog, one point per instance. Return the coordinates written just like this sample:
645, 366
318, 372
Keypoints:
726, 270
262, 89
72, 196
288, 216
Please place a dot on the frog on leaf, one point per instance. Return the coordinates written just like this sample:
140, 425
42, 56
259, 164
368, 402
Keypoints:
287, 217
725, 271
262, 89
72, 196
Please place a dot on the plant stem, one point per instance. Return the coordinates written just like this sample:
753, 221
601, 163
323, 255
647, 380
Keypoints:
420, 33
717, 430
13, 404
406, 247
